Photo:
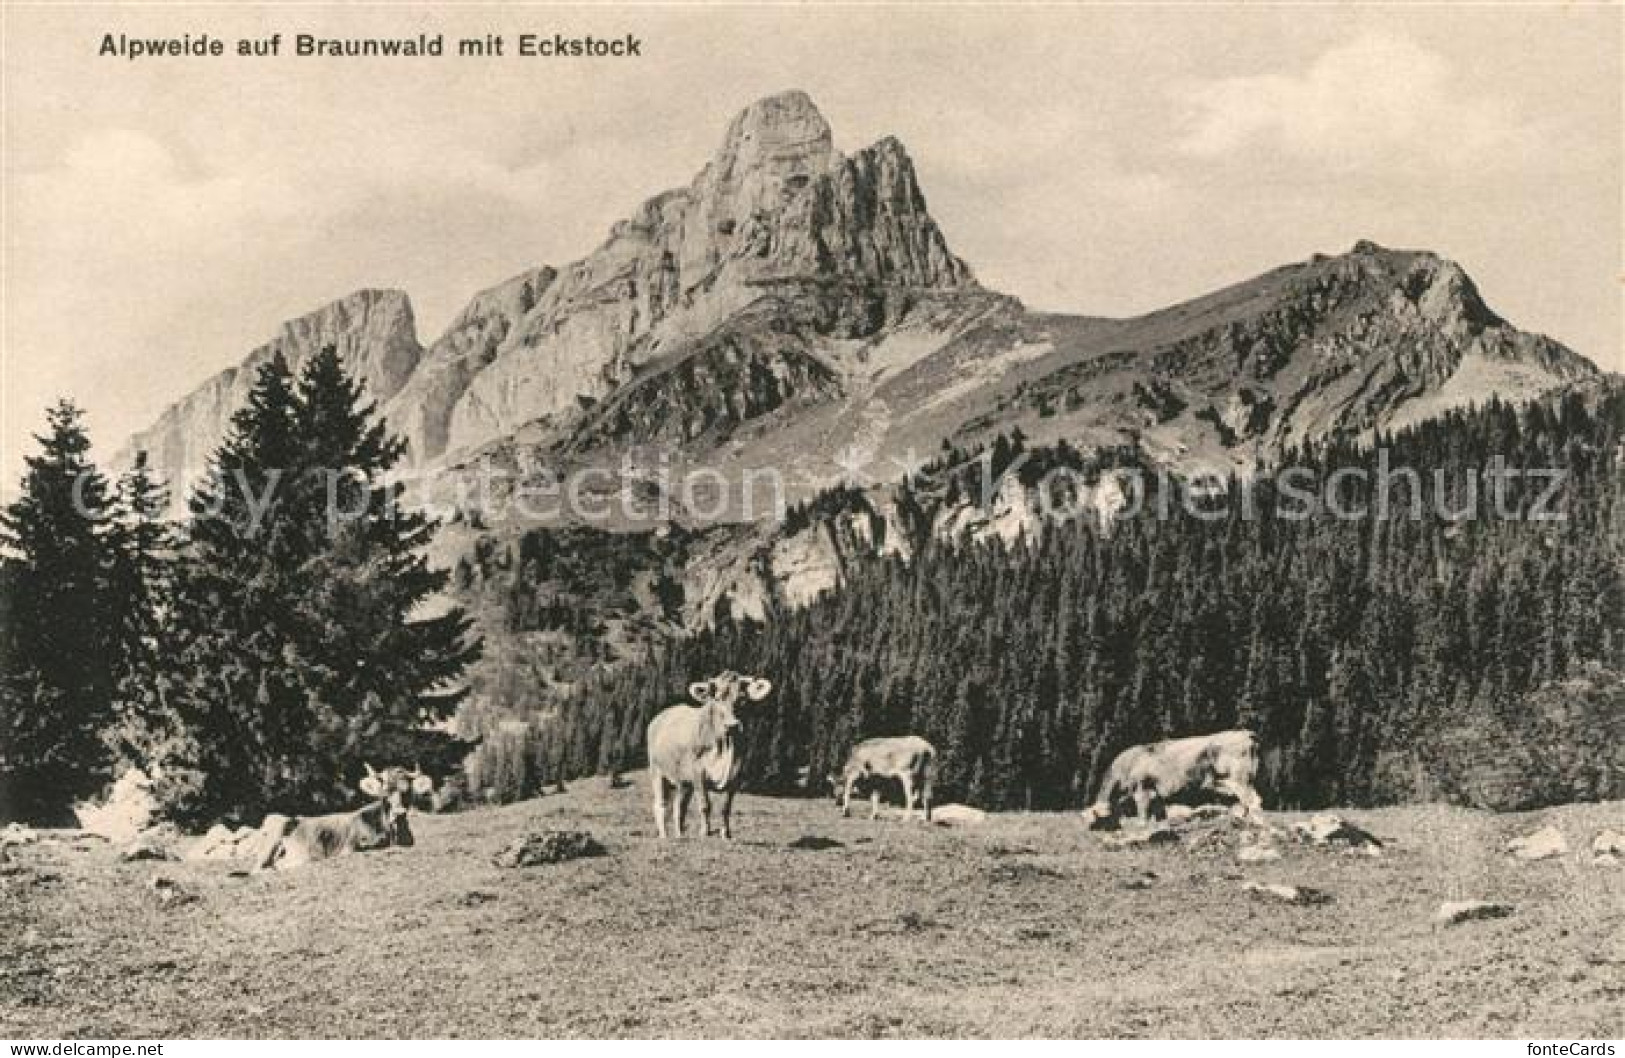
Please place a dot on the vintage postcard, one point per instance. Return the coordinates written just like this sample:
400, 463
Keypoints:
819, 521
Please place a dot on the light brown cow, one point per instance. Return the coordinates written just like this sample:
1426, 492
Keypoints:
296, 841
909, 759
692, 748
1151, 775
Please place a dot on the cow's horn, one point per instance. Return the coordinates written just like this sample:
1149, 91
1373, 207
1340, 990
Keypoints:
368, 766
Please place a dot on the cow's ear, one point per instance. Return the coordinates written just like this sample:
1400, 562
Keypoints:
422, 785
372, 786
756, 688
701, 691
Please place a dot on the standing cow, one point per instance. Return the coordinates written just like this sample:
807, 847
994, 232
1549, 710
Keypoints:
1150, 775
909, 759
296, 841
693, 748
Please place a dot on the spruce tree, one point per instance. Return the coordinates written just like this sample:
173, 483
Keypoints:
56, 662
147, 732
307, 653
377, 670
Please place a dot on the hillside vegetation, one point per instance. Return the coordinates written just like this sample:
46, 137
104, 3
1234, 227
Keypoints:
1455, 654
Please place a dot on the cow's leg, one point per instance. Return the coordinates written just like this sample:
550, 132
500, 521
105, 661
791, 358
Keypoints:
1252, 806
908, 796
728, 813
657, 782
1144, 795
705, 808
685, 794
874, 802
925, 794
846, 796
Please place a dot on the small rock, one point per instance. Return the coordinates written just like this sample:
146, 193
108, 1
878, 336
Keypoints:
815, 843
1300, 895
1178, 813
1258, 854
145, 850
170, 894
1543, 844
550, 846
1333, 830
18, 834
1143, 880
1209, 811
957, 815
1608, 849
1454, 912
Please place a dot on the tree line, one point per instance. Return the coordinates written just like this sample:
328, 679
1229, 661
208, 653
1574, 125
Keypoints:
251, 656
1428, 654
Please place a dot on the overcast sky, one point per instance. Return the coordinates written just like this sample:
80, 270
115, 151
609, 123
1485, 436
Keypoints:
163, 217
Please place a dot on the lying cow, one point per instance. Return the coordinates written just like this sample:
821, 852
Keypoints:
1151, 775
296, 841
909, 759
692, 748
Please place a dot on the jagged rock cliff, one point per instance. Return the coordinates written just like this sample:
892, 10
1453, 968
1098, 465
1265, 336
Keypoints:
376, 338
777, 212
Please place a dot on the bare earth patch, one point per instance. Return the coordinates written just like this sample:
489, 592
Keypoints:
1025, 926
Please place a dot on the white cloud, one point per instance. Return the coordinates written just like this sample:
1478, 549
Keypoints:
1371, 102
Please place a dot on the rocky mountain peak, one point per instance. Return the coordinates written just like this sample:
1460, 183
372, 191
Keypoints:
374, 332
781, 130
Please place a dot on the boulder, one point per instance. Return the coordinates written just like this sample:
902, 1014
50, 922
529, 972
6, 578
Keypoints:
1608, 849
219, 843
546, 847
1300, 895
1544, 844
1455, 912
128, 809
957, 815
1178, 813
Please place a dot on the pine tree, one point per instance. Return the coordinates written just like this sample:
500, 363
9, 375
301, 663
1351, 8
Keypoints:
56, 669
310, 657
143, 552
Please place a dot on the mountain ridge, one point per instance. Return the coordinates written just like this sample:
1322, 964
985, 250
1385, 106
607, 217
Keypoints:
801, 301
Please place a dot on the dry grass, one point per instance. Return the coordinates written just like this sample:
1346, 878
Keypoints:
1026, 926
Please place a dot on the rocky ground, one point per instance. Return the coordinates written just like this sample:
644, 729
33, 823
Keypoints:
811, 925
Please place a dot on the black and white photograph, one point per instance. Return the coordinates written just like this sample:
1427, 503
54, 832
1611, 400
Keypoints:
811, 521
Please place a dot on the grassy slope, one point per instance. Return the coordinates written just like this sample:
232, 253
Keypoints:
1020, 927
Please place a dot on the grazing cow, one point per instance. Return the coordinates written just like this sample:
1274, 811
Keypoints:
1150, 775
692, 748
296, 841
909, 759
